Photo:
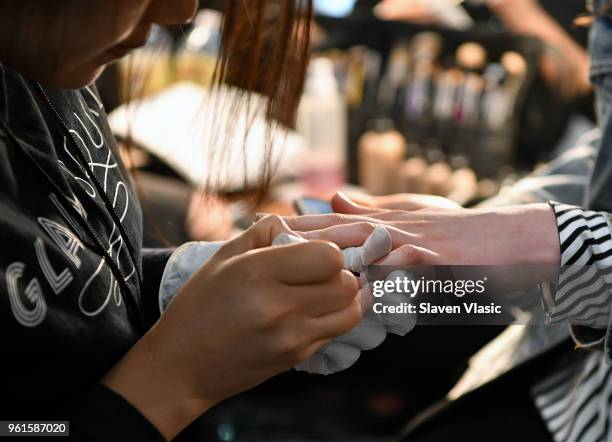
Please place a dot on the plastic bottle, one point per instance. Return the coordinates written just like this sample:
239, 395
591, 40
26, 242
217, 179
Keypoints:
439, 174
322, 121
412, 175
381, 150
464, 181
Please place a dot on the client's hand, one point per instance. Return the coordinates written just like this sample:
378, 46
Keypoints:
251, 312
525, 235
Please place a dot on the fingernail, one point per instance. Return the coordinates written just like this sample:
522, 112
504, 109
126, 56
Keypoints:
381, 10
378, 10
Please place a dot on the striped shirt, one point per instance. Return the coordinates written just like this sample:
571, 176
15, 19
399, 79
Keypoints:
575, 401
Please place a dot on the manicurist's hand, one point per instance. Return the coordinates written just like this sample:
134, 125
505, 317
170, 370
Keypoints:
251, 312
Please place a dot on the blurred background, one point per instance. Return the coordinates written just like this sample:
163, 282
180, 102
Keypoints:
442, 97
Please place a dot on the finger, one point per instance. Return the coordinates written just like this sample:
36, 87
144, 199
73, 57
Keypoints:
341, 203
336, 324
394, 215
297, 264
331, 358
415, 201
360, 199
260, 234
317, 222
340, 356
378, 245
365, 204
309, 353
325, 298
344, 236
390, 216
408, 255
354, 235
403, 201
402, 216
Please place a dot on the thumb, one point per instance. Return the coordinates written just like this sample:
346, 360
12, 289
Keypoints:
259, 235
342, 203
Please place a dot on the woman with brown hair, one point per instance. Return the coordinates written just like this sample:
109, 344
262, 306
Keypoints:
83, 339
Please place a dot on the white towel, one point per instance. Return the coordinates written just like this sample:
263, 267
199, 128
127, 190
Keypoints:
343, 351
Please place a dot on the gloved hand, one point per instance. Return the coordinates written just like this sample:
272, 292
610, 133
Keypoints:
344, 351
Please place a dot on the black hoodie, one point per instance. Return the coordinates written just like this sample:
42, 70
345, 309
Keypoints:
76, 288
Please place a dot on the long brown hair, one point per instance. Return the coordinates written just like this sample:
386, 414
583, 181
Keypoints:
265, 50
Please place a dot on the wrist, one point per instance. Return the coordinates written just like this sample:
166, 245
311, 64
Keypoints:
156, 387
539, 234
528, 235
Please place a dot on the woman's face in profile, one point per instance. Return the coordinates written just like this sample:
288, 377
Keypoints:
66, 43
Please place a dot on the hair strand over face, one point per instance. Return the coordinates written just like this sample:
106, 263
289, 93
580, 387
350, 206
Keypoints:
265, 50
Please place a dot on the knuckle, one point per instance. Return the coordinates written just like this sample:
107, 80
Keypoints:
290, 220
338, 218
301, 357
274, 220
269, 313
410, 254
250, 268
348, 284
355, 314
270, 322
327, 253
269, 222
290, 346
351, 317
353, 282
367, 227
297, 356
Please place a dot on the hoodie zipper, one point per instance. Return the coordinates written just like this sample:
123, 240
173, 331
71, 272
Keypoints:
132, 300
100, 189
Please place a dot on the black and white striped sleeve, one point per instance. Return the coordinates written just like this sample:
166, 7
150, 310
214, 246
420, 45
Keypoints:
583, 295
